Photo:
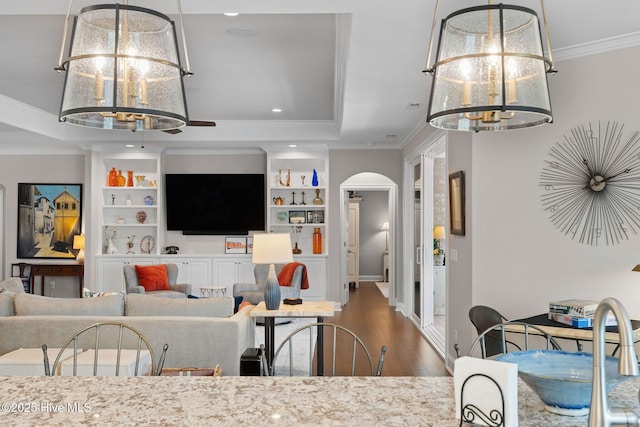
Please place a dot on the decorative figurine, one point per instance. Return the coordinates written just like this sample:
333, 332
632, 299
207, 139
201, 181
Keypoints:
130, 244
113, 199
302, 203
293, 195
288, 183
297, 230
112, 249
302, 179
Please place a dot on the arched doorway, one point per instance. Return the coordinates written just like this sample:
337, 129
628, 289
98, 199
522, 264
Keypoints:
367, 182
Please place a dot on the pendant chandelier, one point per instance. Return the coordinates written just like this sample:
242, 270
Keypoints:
490, 72
123, 70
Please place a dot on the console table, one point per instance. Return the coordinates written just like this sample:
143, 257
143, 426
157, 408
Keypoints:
43, 270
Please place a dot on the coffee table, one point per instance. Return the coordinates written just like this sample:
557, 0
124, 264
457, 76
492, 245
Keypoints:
318, 309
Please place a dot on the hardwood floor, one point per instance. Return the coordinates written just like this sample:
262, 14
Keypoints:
370, 317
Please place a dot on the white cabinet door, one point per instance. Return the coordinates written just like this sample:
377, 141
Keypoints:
317, 274
196, 271
111, 272
230, 270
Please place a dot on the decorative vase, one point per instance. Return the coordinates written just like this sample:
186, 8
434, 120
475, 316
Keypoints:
272, 290
113, 178
318, 200
129, 178
317, 241
121, 179
314, 179
297, 250
439, 259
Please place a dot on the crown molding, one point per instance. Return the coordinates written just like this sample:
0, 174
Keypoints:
597, 47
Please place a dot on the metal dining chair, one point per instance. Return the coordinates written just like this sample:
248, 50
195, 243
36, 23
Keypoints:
532, 337
114, 338
343, 342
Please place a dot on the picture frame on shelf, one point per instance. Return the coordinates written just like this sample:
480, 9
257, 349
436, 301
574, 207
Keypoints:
249, 245
315, 217
53, 212
235, 245
297, 217
457, 203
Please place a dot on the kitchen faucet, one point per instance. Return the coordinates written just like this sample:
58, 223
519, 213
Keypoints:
600, 415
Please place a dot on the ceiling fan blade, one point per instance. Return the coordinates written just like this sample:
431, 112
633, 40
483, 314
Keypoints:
201, 123
172, 131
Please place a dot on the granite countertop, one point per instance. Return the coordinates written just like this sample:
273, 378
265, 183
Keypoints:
278, 401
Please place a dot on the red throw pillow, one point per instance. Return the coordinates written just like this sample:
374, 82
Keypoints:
153, 277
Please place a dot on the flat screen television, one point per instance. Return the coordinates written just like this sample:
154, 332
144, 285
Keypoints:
216, 204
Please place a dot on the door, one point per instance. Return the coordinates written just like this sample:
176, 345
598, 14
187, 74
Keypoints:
353, 256
417, 239
427, 178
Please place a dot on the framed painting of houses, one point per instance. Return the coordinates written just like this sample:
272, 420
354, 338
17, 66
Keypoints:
49, 215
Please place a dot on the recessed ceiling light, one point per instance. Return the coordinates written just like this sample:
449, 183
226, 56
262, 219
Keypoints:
230, 13
277, 110
129, 145
293, 145
414, 105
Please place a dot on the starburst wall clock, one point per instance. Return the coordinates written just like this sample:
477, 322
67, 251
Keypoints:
591, 184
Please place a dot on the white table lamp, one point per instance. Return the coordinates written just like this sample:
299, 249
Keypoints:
272, 248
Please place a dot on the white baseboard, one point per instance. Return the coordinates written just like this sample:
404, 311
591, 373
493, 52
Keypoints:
370, 278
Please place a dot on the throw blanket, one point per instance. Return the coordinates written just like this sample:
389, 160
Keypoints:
286, 274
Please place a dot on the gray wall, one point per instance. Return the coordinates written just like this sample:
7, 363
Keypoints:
342, 165
374, 210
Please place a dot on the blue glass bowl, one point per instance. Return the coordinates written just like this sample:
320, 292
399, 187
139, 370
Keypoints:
562, 379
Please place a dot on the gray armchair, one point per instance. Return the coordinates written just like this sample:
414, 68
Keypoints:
182, 290
254, 292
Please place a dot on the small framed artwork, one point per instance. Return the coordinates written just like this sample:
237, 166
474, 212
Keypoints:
49, 215
315, 217
235, 245
297, 217
249, 245
456, 203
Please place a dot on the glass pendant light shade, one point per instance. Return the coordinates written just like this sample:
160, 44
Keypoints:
123, 71
490, 71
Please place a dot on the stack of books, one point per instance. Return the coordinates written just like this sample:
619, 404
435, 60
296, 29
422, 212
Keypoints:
577, 313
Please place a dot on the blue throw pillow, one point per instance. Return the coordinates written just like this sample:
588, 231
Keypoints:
238, 300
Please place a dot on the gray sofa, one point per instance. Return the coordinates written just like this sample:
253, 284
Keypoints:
200, 332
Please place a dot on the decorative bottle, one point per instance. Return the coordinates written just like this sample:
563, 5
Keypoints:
129, 178
318, 200
121, 179
317, 241
314, 178
113, 178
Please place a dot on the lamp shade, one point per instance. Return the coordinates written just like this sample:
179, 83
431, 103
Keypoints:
78, 241
490, 72
272, 248
123, 71
385, 226
439, 232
